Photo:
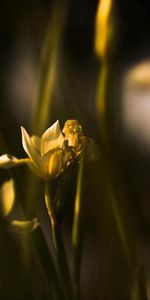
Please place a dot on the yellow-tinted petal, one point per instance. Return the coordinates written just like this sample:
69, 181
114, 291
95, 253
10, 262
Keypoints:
51, 163
71, 127
29, 146
52, 138
36, 169
44, 164
72, 131
7, 161
36, 140
55, 164
7, 197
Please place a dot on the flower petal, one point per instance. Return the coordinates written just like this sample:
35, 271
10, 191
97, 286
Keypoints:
52, 138
52, 163
55, 164
36, 140
8, 161
29, 146
72, 131
36, 169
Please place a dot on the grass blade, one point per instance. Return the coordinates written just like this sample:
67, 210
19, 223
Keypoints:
77, 230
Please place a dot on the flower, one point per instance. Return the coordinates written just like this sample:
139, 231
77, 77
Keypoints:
52, 153
78, 142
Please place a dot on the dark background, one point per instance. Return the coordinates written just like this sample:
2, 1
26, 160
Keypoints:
22, 31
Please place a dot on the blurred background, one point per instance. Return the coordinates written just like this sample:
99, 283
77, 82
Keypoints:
23, 27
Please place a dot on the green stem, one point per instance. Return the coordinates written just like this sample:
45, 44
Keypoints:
59, 246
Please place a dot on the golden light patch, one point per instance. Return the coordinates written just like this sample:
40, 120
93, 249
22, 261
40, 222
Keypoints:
7, 197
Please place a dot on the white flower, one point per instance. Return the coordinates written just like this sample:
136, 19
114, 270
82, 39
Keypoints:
50, 154
45, 153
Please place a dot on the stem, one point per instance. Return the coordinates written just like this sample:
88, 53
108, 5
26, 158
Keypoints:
50, 64
47, 263
105, 29
59, 246
77, 230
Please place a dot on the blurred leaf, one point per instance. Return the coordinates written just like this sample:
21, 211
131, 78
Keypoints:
104, 27
105, 40
104, 46
101, 91
47, 82
7, 197
49, 68
24, 226
77, 207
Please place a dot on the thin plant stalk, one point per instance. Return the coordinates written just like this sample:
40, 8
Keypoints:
49, 67
59, 246
77, 231
47, 264
104, 41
